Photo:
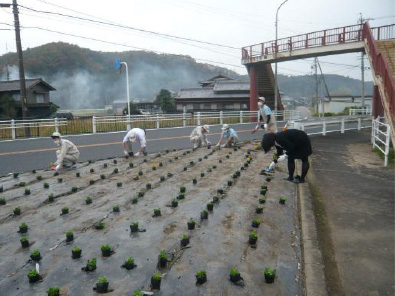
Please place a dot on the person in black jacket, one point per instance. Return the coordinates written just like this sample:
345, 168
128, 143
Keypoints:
297, 145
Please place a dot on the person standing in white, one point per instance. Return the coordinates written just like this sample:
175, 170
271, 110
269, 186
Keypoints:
199, 136
134, 135
68, 153
266, 119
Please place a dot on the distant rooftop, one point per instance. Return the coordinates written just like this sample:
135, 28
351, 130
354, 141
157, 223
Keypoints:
14, 85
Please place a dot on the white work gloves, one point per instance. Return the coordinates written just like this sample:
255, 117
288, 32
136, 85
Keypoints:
57, 167
217, 145
137, 154
282, 157
223, 145
125, 153
272, 166
257, 127
208, 143
265, 126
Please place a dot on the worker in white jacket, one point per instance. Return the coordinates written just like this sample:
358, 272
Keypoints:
266, 118
199, 136
68, 153
134, 135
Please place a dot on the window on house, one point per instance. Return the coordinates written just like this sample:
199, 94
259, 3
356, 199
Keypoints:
39, 98
196, 106
16, 97
228, 107
207, 106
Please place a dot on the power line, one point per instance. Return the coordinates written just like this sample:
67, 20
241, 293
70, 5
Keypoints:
130, 28
120, 44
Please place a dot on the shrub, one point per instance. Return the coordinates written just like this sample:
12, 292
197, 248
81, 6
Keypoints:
17, 211
269, 271
234, 272
53, 291
156, 276
100, 225
163, 254
105, 247
91, 265
102, 280
88, 200
129, 261
201, 273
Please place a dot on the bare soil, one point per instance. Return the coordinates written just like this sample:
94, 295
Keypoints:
217, 244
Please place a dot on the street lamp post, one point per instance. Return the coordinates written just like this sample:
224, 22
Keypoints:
275, 58
127, 93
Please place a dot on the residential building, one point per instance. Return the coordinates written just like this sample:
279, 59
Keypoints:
37, 97
217, 93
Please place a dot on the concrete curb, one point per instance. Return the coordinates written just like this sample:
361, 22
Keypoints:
312, 261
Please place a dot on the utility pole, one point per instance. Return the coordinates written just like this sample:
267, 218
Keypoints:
316, 87
20, 61
275, 56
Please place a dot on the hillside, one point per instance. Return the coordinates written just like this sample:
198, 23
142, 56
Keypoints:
87, 79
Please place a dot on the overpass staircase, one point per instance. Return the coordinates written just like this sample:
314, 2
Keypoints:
378, 43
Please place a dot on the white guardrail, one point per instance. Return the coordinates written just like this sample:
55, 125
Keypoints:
13, 125
381, 137
197, 118
157, 120
340, 124
360, 111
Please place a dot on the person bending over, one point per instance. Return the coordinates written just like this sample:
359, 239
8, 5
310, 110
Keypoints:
297, 145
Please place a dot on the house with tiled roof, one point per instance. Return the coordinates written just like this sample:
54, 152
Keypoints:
217, 93
37, 97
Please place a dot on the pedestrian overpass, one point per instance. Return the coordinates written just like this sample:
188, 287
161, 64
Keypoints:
378, 43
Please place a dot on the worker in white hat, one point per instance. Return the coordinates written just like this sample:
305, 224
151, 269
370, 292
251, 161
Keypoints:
68, 153
134, 135
198, 136
230, 135
266, 118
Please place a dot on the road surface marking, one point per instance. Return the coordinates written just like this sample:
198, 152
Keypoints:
103, 144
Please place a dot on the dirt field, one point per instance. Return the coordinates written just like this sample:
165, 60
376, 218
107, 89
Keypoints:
216, 245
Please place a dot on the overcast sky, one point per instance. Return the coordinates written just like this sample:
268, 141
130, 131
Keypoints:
231, 24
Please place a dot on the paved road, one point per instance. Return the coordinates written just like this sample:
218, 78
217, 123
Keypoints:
27, 154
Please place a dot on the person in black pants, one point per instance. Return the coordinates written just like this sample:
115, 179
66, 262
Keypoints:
297, 145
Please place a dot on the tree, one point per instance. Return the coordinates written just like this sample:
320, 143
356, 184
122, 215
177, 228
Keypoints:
165, 101
133, 109
7, 105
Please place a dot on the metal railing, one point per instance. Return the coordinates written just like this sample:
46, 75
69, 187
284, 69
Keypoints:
340, 35
381, 137
44, 127
335, 125
37, 127
359, 111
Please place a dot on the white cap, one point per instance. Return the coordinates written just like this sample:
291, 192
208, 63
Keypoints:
206, 127
225, 126
262, 99
56, 134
